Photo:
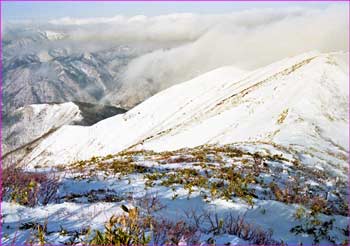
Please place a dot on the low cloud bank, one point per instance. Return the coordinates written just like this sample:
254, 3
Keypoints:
246, 40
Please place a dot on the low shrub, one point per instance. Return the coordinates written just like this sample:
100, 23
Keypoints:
28, 188
126, 229
210, 222
166, 232
312, 225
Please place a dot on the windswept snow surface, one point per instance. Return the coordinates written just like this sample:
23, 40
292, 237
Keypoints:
300, 103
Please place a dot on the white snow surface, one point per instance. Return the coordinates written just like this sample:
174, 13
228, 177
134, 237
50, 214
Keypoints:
38, 120
266, 214
300, 102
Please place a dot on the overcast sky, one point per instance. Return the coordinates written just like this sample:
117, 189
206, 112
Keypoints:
43, 11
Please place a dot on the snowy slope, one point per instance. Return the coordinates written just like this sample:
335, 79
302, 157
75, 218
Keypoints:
25, 127
31, 122
286, 125
298, 103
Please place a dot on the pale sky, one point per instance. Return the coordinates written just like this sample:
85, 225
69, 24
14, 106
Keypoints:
43, 11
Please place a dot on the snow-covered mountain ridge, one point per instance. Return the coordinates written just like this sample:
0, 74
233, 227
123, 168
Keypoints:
25, 127
299, 103
47, 118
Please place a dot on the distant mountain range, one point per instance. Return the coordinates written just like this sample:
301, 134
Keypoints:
46, 66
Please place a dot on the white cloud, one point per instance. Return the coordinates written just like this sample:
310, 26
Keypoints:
246, 40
